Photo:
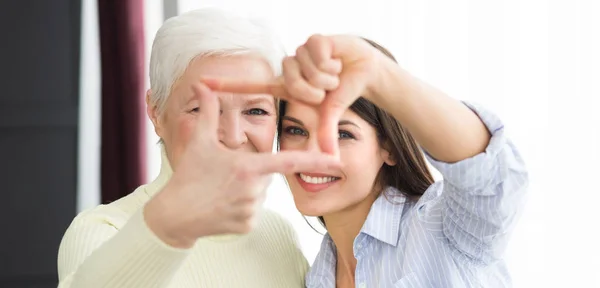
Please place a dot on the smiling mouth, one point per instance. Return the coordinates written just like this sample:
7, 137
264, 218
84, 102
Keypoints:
315, 182
317, 179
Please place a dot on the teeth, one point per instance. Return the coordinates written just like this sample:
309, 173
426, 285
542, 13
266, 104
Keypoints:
316, 180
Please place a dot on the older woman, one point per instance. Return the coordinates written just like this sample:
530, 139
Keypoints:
200, 223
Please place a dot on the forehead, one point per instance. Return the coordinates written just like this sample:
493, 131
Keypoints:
247, 67
234, 66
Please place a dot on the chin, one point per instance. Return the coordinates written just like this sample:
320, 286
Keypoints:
310, 209
313, 206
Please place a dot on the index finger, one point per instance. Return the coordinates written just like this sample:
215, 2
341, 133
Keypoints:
288, 162
274, 87
207, 120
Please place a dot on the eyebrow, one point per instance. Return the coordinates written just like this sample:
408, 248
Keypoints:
251, 101
258, 100
297, 121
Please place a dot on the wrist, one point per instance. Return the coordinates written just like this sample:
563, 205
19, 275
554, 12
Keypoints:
164, 223
384, 70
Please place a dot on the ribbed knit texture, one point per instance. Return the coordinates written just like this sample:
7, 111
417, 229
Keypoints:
111, 246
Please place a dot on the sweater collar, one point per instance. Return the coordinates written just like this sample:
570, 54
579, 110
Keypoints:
163, 177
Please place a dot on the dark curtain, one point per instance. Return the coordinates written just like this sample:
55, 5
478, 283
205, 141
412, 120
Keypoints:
122, 52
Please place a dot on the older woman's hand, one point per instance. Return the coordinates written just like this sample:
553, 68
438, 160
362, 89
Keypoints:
215, 190
327, 71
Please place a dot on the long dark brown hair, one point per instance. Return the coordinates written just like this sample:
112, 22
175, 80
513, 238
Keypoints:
410, 175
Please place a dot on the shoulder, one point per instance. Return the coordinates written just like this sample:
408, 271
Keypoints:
432, 194
105, 218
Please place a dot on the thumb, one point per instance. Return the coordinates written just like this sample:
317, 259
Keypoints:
332, 109
329, 116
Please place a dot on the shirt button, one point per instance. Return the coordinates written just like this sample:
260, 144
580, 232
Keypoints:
359, 246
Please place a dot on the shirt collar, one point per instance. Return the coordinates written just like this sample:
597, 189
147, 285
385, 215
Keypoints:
383, 224
322, 272
383, 220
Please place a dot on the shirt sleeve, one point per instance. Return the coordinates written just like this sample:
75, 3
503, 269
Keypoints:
483, 195
94, 253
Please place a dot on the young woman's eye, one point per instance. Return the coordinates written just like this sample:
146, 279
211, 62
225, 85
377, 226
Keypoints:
345, 135
256, 112
292, 130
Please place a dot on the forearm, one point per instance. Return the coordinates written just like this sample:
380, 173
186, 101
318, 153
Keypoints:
448, 130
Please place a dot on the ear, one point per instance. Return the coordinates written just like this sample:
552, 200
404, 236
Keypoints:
153, 114
387, 157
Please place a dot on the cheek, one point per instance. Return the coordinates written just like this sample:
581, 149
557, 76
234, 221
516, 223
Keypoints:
184, 129
262, 134
180, 133
360, 171
286, 144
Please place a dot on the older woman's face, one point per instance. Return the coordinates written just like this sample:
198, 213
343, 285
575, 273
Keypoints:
247, 122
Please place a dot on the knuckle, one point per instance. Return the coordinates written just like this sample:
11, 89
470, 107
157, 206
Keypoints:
240, 170
243, 214
289, 164
248, 225
318, 80
314, 39
296, 86
313, 77
288, 63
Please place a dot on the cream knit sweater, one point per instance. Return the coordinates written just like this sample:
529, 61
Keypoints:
111, 246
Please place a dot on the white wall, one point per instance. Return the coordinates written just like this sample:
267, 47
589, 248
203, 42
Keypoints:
153, 18
534, 62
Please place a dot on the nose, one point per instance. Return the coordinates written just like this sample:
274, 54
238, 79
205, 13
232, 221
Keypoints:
231, 132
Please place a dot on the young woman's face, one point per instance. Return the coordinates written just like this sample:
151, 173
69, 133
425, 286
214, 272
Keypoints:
319, 193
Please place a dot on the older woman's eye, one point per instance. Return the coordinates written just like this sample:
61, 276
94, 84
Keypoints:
256, 112
292, 130
345, 135
195, 109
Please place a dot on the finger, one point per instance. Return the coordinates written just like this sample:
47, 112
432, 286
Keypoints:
207, 122
330, 113
344, 46
273, 87
288, 162
332, 66
296, 85
320, 49
315, 77
332, 109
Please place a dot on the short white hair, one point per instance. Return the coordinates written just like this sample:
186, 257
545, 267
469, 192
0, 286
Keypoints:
206, 32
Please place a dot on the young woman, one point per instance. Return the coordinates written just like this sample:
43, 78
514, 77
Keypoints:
389, 224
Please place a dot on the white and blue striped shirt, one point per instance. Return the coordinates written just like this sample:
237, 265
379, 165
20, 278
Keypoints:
454, 236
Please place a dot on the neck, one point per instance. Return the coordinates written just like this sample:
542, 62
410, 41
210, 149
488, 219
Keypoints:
343, 227
163, 177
